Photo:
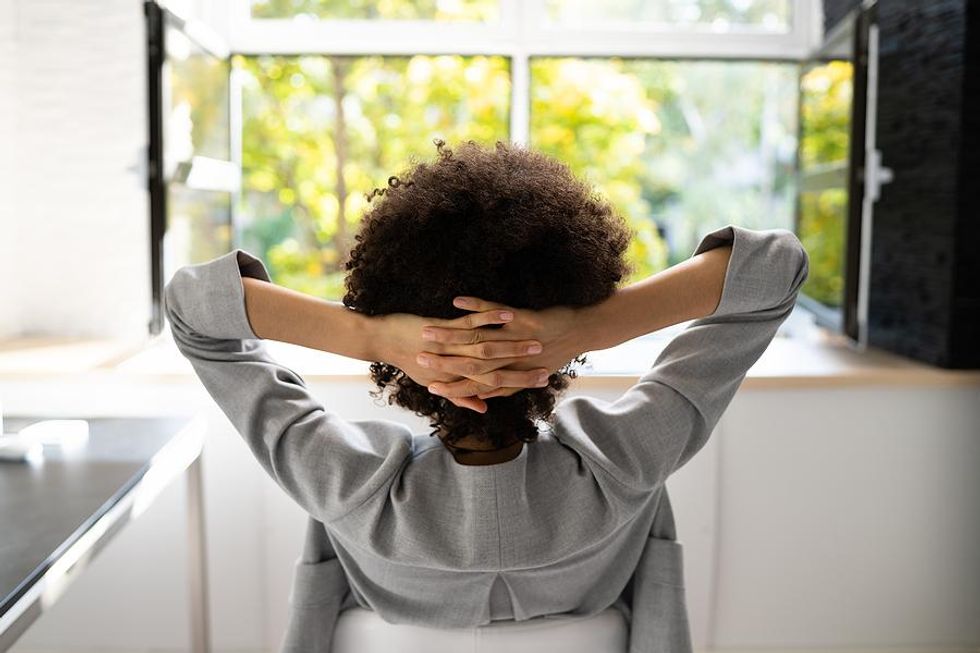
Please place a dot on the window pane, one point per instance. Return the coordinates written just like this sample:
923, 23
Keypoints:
826, 94
198, 86
198, 227
320, 132
823, 216
437, 10
196, 124
720, 15
825, 113
679, 147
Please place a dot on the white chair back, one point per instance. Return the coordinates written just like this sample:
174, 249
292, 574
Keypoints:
362, 631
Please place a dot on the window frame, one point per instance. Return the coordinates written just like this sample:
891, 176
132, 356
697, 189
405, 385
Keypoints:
521, 33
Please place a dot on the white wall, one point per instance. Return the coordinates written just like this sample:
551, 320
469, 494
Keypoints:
813, 519
74, 259
9, 306
850, 518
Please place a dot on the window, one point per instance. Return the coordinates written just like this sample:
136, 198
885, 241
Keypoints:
668, 146
683, 132
436, 10
713, 15
320, 132
192, 177
825, 115
197, 137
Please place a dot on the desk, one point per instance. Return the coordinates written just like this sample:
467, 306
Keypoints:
58, 514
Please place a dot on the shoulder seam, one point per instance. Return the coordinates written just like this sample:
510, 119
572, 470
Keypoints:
594, 464
387, 482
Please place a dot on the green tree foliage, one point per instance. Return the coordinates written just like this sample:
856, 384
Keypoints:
597, 119
321, 132
679, 147
826, 114
660, 139
823, 218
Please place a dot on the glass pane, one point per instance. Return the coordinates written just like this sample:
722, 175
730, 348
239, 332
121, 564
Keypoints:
679, 147
826, 97
825, 113
198, 88
198, 227
823, 216
437, 10
320, 132
717, 15
196, 123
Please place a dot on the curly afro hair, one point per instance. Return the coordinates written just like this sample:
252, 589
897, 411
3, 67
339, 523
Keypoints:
509, 225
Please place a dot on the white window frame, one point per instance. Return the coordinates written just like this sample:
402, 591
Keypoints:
520, 34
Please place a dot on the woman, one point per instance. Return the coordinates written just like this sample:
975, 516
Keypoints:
476, 281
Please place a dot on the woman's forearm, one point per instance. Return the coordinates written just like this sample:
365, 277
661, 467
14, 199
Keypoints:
687, 291
278, 313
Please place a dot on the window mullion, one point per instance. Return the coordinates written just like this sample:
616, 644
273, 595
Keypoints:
520, 97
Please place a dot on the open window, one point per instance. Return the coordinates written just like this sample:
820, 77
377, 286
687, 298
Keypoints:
271, 141
191, 174
839, 171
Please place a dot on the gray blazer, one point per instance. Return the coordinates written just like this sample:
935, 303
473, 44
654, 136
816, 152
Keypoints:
578, 522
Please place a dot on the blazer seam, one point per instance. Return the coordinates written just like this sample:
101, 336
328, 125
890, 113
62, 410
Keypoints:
496, 512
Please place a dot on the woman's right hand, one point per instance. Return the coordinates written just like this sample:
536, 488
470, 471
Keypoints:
561, 330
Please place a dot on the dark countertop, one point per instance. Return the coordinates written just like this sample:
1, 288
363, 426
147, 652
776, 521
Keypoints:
45, 508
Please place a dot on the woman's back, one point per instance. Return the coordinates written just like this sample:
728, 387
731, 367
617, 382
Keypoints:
578, 521
462, 545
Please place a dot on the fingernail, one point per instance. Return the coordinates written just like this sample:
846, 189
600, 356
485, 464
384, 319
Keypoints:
460, 301
506, 315
428, 334
434, 390
422, 360
543, 378
534, 349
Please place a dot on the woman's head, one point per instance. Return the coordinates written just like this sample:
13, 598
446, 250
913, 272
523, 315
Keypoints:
508, 225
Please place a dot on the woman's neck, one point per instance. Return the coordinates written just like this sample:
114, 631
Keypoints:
468, 450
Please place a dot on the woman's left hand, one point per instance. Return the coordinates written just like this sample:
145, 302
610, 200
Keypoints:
401, 339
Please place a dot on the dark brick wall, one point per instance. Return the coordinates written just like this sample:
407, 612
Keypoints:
834, 10
921, 280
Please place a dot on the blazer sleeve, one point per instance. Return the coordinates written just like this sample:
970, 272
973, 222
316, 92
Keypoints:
667, 416
328, 465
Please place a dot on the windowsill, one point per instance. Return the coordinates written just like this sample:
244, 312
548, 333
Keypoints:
811, 358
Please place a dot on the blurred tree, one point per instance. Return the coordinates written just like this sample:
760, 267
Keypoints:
597, 119
319, 132
826, 113
823, 218
825, 110
681, 147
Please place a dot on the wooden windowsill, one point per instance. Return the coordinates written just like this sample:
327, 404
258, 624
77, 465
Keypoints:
818, 361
